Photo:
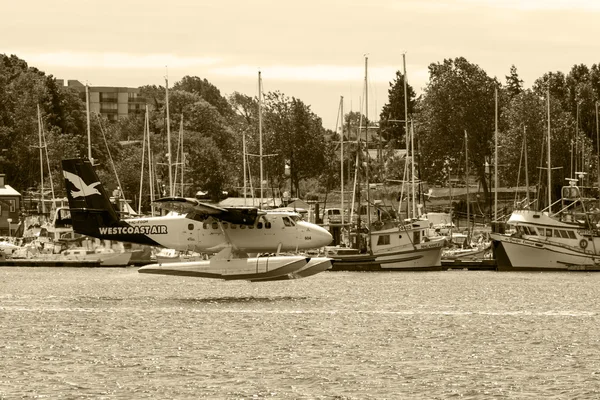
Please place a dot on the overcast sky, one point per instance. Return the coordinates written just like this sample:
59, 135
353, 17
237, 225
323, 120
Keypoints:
313, 50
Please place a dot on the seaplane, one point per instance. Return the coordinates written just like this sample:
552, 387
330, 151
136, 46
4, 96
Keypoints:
234, 235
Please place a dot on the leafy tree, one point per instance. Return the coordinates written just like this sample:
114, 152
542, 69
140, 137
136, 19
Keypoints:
294, 134
207, 91
459, 97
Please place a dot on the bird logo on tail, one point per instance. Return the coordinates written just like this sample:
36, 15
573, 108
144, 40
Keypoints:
83, 189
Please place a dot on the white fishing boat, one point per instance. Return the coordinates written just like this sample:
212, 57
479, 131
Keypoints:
401, 247
566, 240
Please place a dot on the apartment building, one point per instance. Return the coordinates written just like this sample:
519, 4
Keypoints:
110, 102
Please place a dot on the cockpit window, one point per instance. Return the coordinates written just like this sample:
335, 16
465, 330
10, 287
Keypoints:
287, 221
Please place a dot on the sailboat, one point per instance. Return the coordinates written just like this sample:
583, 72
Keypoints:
401, 245
568, 239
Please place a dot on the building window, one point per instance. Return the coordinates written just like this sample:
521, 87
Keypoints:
12, 207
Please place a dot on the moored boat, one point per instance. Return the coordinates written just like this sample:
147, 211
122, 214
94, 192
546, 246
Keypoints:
401, 247
566, 240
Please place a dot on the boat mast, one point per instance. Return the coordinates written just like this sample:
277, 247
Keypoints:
342, 156
260, 137
39, 116
244, 162
412, 169
467, 184
526, 168
169, 138
598, 145
89, 134
549, 164
406, 124
368, 157
496, 160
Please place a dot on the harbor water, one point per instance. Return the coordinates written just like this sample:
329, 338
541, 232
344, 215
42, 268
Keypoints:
117, 334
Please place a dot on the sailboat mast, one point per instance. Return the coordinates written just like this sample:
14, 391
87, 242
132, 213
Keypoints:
412, 168
526, 168
260, 137
39, 116
89, 133
496, 158
406, 122
244, 162
169, 139
549, 163
367, 152
467, 184
342, 156
598, 145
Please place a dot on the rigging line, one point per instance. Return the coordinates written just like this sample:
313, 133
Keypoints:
47, 158
519, 170
143, 162
121, 192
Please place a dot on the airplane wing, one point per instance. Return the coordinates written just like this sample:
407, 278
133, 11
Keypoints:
234, 215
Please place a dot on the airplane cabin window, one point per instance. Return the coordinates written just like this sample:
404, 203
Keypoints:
286, 221
268, 225
242, 226
205, 226
259, 225
215, 225
233, 226
225, 225
190, 227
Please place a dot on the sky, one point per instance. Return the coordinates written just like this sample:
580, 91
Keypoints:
313, 50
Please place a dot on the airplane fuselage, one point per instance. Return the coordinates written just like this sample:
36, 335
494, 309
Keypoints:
271, 232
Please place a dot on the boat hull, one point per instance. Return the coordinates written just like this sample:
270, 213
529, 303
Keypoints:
419, 259
513, 253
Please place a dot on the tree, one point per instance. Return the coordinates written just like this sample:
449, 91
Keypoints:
459, 97
207, 91
392, 116
294, 134
514, 85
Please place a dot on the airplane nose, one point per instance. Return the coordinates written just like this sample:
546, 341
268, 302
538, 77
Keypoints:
323, 236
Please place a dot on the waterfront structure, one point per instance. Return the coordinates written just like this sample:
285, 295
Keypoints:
10, 204
108, 101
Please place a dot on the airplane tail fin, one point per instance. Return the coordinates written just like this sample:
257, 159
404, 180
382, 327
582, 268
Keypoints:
89, 203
